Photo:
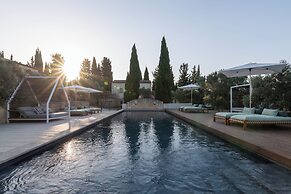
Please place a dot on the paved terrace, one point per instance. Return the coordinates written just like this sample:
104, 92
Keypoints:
20, 140
273, 143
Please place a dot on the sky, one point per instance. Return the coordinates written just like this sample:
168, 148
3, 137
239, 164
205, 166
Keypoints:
214, 34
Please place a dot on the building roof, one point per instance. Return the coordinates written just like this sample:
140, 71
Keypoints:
145, 81
118, 81
123, 81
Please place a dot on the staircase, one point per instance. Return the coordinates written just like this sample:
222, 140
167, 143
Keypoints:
145, 104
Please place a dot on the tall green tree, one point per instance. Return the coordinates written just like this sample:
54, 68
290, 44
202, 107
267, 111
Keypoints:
46, 69
94, 67
146, 74
217, 89
38, 61
85, 70
195, 75
106, 71
133, 77
96, 75
184, 77
164, 81
155, 75
57, 64
31, 62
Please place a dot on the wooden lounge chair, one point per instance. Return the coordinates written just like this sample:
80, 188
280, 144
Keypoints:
268, 117
226, 115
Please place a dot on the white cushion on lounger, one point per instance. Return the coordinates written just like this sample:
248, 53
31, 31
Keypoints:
227, 114
270, 112
248, 110
259, 118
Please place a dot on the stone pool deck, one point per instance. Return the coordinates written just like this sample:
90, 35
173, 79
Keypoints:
23, 139
272, 143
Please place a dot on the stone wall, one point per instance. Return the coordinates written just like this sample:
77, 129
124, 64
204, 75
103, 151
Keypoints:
2, 115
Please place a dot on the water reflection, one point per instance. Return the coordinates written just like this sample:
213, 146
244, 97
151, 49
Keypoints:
105, 131
69, 150
132, 131
164, 128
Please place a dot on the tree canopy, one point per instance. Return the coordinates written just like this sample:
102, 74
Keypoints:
85, 72
57, 64
184, 77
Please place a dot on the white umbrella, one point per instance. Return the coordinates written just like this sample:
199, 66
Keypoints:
78, 88
253, 69
190, 87
83, 89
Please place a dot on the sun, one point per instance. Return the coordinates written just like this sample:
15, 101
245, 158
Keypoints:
71, 72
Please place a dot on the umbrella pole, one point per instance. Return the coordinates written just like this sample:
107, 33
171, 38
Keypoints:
191, 97
251, 89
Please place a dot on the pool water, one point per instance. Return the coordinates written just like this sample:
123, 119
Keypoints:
145, 153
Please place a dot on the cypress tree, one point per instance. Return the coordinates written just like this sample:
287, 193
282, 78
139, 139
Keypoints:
46, 69
99, 72
133, 78
106, 74
38, 61
96, 74
195, 75
164, 81
94, 68
198, 71
85, 71
31, 63
146, 74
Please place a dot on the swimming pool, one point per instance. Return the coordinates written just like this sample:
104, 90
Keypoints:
145, 153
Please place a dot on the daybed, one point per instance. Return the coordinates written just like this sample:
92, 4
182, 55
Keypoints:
268, 117
226, 115
35, 113
195, 109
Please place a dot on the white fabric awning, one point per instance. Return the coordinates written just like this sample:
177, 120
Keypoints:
190, 87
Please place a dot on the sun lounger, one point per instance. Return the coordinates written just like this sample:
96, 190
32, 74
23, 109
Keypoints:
192, 109
92, 110
226, 115
268, 117
79, 112
182, 107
